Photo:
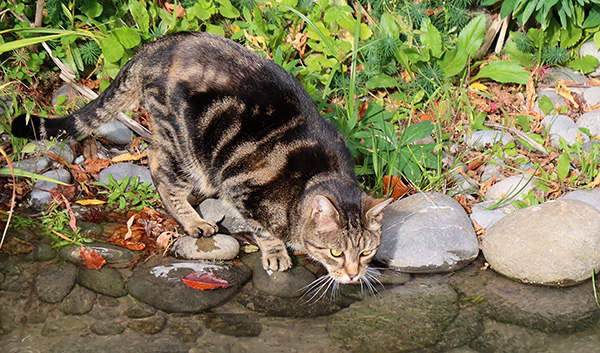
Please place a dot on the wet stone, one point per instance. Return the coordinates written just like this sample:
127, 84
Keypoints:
108, 281
216, 247
120, 344
238, 325
66, 326
140, 310
107, 301
286, 284
107, 328
390, 276
18, 283
52, 284
37, 315
113, 254
39, 196
90, 229
7, 321
9, 266
148, 326
503, 338
158, 283
80, 301
186, 329
401, 319
549, 309
44, 252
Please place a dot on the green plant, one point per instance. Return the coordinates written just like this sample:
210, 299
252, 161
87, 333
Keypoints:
56, 224
128, 193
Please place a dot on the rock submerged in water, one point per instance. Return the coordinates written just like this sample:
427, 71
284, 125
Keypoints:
158, 283
428, 232
216, 247
555, 243
52, 284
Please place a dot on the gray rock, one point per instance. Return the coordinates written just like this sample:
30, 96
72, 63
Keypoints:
140, 310
401, 319
590, 121
591, 95
60, 151
115, 132
591, 197
80, 301
148, 326
40, 195
555, 243
464, 185
427, 232
487, 213
216, 247
113, 254
158, 283
558, 126
555, 73
504, 338
121, 170
67, 91
66, 326
514, 187
227, 218
43, 252
52, 284
493, 169
184, 329
482, 138
390, 276
286, 284
549, 309
553, 96
33, 165
107, 328
238, 325
590, 48
108, 281
7, 320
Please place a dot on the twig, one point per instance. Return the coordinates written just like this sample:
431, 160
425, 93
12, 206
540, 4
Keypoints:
539, 148
12, 199
502, 35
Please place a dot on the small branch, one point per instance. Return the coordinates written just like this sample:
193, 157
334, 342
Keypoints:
539, 148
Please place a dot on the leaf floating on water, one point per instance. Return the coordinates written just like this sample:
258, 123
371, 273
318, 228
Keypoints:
91, 259
204, 281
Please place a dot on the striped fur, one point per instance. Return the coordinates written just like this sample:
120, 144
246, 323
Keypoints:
233, 124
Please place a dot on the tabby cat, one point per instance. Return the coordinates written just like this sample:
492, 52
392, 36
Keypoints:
230, 123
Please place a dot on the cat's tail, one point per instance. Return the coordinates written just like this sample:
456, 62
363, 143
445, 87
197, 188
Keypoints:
119, 96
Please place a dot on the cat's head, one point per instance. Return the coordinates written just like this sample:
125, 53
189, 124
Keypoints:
345, 241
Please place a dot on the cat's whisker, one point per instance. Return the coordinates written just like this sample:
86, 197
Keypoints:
318, 288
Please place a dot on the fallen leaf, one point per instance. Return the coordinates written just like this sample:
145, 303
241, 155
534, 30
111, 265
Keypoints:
72, 219
126, 157
16, 246
129, 233
94, 166
478, 87
204, 281
164, 239
89, 202
91, 259
397, 186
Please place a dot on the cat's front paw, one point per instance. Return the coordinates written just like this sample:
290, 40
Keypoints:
202, 228
276, 262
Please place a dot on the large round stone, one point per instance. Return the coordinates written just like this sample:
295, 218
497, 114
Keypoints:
555, 243
217, 247
158, 283
427, 232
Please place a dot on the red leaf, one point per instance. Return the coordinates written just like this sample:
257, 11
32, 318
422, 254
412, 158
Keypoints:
204, 281
72, 219
91, 259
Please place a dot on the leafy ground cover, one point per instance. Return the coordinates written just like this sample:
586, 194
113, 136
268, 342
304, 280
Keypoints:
404, 81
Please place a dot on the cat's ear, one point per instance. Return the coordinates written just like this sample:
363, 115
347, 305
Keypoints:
373, 211
324, 214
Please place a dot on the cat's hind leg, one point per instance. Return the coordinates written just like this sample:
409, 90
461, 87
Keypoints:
174, 189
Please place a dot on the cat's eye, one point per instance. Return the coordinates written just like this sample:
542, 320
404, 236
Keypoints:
336, 253
366, 253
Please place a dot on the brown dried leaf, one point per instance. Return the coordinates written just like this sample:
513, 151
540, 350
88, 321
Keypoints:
91, 259
94, 166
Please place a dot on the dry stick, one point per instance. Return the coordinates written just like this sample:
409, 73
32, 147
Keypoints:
502, 35
12, 199
539, 148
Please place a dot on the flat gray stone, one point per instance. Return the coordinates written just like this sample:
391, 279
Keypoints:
40, 195
487, 213
158, 283
555, 243
60, 150
108, 281
80, 301
558, 126
52, 284
66, 326
591, 197
120, 344
590, 121
121, 170
216, 247
33, 165
512, 188
227, 218
591, 95
115, 132
482, 138
427, 232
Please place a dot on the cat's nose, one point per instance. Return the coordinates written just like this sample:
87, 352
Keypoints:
353, 276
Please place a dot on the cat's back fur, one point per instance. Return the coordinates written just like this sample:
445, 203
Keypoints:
230, 122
